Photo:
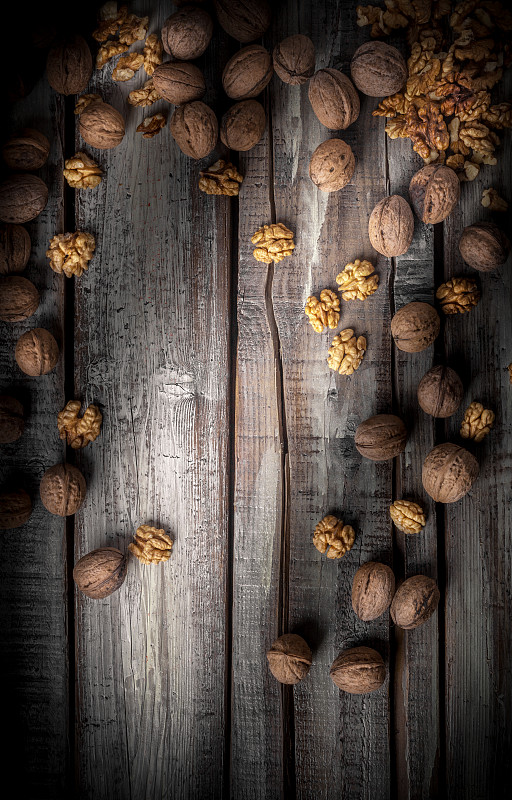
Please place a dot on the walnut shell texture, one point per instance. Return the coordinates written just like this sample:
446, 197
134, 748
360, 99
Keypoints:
434, 191
332, 165
247, 72
484, 246
22, 198
289, 658
63, 490
378, 69
243, 125
381, 437
101, 125
27, 150
294, 59
15, 246
244, 20
195, 128
449, 472
36, 352
101, 572
415, 601
391, 226
440, 392
69, 66
187, 33
15, 508
358, 670
373, 588
12, 421
19, 298
179, 82
415, 326
334, 99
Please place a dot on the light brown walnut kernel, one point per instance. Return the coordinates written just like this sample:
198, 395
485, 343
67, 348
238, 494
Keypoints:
499, 116
492, 200
222, 178
108, 51
70, 253
469, 171
85, 100
408, 517
81, 172
458, 295
323, 313
346, 352
477, 422
152, 53
110, 18
127, 66
150, 126
332, 537
275, 242
145, 96
133, 29
358, 280
151, 545
78, 432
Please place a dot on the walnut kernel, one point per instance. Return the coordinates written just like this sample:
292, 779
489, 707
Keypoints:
78, 432
492, 200
358, 280
346, 352
145, 96
150, 126
477, 422
127, 66
108, 51
332, 537
221, 178
151, 545
408, 517
152, 53
458, 295
274, 242
81, 172
70, 253
323, 313
85, 100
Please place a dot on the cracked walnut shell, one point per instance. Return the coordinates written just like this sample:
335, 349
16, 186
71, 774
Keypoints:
243, 125
377, 69
358, 280
458, 295
415, 326
187, 33
247, 72
477, 422
323, 313
15, 246
440, 392
449, 472
70, 253
484, 246
195, 129
332, 165
381, 437
289, 658
415, 601
22, 198
294, 59
179, 82
244, 20
78, 432
81, 172
62, 490
12, 420
358, 670
346, 352
19, 298
434, 192
408, 517
333, 98
36, 352
391, 226
15, 508
101, 572
150, 126
275, 242
373, 588
332, 537
221, 178
151, 545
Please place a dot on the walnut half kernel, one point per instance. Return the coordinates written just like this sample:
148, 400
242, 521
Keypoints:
492, 200
408, 517
477, 422
150, 126
323, 313
358, 280
346, 352
151, 545
78, 432
70, 253
145, 96
458, 295
127, 66
81, 172
274, 242
222, 178
332, 537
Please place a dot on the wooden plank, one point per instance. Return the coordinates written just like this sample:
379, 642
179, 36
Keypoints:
152, 349
33, 605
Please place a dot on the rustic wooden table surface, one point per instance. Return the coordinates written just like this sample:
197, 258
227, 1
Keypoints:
224, 425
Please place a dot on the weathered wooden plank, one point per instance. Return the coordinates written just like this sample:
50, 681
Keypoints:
33, 599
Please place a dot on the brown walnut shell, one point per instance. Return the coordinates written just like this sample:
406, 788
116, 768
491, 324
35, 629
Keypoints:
36, 352
484, 246
415, 601
334, 99
247, 72
381, 437
391, 226
27, 150
378, 69
179, 82
22, 198
243, 125
294, 59
244, 20
69, 66
15, 508
12, 421
332, 165
415, 326
15, 248
434, 192
101, 572
373, 588
289, 658
195, 129
187, 33
358, 670
440, 392
63, 490
19, 298
101, 125
449, 472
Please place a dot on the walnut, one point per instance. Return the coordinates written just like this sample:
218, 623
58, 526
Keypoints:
243, 125
101, 126
187, 33
484, 246
151, 545
22, 198
332, 537
358, 670
244, 20
152, 53
381, 437
78, 432
221, 178
274, 242
415, 326
179, 82
127, 66
108, 51
15, 508
289, 658
69, 66
440, 392
346, 352
333, 98
427, 130
434, 192
15, 248
323, 313
145, 96
36, 352
391, 226
19, 298
408, 517
110, 25
358, 280
456, 162
479, 137
421, 83
247, 72
499, 116
378, 69
469, 171
195, 128
449, 472
415, 601
85, 100
101, 572
12, 419
373, 588
492, 200
391, 106
458, 295
477, 422
81, 172
294, 59
70, 253
332, 165
63, 490
27, 150
150, 126
133, 29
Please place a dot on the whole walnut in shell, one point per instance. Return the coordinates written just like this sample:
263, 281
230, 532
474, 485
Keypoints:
15, 248
381, 437
289, 658
334, 99
440, 392
247, 72
373, 588
36, 352
101, 572
101, 125
434, 192
15, 508
27, 150
415, 326
378, 69
332, 165
195, 128
358, 670
19, 298
243, 125
22, 198
186, 34
179, 82
69, 66
294, 59
484, 246
63, 490
12, 421
449, 472
415, 601
244, 20
391, 226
